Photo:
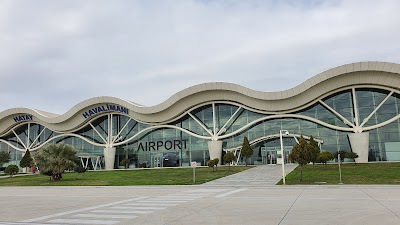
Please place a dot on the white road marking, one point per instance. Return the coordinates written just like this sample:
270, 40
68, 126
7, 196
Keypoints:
82, 221
230, 192
174, 199
151, 204
104, 216
23, 223
80, 210
137, 207
158, 201
122, 211
207, 190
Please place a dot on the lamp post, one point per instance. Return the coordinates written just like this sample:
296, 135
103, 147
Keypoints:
283, 155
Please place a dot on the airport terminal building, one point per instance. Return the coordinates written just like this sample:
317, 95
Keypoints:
354, 107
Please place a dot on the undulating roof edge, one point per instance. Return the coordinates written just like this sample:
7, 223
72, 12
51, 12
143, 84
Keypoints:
382, 73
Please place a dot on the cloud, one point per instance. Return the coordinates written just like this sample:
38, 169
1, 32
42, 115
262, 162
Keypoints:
55, 55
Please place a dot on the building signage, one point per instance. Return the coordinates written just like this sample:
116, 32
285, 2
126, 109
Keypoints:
167, 145
21, 118
105, 108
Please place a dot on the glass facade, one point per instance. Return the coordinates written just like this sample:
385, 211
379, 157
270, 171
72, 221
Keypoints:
186, 139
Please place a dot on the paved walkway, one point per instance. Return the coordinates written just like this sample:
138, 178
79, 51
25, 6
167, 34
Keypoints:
258, 176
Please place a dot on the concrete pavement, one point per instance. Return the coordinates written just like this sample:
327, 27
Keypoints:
173, 205
245, 198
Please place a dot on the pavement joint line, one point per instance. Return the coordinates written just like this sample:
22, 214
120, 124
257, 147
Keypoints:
292, 206
379, 203
80, 210
230, 192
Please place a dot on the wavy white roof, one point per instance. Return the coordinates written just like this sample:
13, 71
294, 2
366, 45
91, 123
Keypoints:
362, 73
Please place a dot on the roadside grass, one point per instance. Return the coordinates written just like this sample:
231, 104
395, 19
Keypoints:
360, 173
161, 176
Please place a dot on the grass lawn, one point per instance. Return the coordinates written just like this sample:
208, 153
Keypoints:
164, 176
361, 173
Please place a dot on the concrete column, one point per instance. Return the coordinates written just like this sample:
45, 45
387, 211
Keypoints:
109, 158
359, 143
215, 150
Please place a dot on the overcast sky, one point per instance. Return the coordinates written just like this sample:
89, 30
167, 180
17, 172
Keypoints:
55, 54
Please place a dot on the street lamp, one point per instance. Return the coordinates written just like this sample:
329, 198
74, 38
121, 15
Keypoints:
283, 154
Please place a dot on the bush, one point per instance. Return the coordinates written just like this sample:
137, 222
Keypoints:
125, 162
229, 157
211, 163
216, 161
324, 157
351, 155
79, 169
11, 170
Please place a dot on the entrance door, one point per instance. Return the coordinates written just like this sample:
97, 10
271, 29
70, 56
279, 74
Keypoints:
271, 157
156, 160
286, 154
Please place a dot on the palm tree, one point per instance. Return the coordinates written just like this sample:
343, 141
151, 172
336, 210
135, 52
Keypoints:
54, 159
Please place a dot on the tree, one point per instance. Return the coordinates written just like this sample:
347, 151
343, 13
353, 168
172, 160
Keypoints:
324, 157
301, 153
11, 170
351, 155
54, 159
26, 161
216, 161
229, 157
314, 150
4, 157
211, 163
246, 150
125, 162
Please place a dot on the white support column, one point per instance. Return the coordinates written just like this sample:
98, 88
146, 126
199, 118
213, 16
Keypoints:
355, 107
359, 143
215, 150
214, 120
28, 135
109, 136
109, 157
83, 164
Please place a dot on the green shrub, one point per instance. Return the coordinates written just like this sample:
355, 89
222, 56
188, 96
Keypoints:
11, 170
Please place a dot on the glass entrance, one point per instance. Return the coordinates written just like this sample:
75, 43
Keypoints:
156, 160
271, 157
286, 154
268, 155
